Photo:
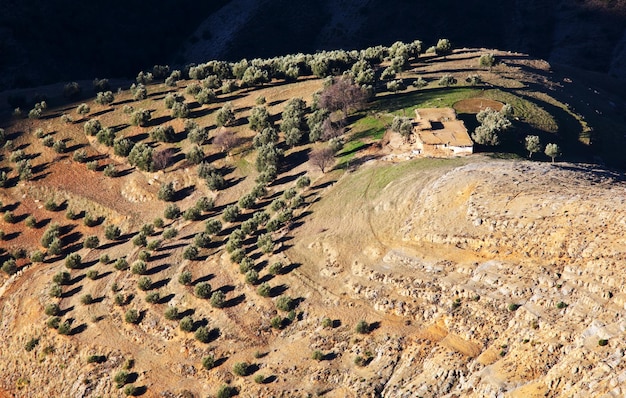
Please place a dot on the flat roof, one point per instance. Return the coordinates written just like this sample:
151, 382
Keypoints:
453, 133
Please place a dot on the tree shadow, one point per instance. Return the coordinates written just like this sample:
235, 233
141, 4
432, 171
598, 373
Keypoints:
76, 279
103, 275
78, 329
187, 312
205, 278
166, 299
66, 311
278, 290
160, 284
295, 159
71, 292
11, 236
156, 269
184, 192
234, 301
104, 111
287, 269
160, 256
226, 288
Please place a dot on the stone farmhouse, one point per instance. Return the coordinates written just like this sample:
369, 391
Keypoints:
438, 132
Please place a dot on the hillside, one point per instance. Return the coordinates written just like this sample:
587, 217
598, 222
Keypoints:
588, 34
186, 245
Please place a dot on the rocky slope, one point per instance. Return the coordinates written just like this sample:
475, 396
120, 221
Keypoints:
510, 272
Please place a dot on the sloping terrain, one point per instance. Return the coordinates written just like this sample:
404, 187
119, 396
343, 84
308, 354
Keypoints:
431, 277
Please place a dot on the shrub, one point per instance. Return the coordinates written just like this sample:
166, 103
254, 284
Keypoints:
277, 322
226, 391
276, 268
140, 240
104, 98
64, 328
53, 322
144, 283
513, 307
195, 155
603, 342
62, 278
9, 217
190, 252
186, 324
47, 141
202, 239
172, 211
487, 60
119, 299
56, 247
112, 232
252, 277
139, 267
180, 110
217, 299
362, 327
208, 362
231, 213
153, 244
73, 261
241, 368
215, 181
205, 204
317, 355
92, 126
327, 323
169, 233
91, 242
122, 147
167, 192
264, 289
104, 259
447, 80
203, 290
55, 290
9, 267
285, 303
86, 299
121, 378
93, 165
265, 243
561, 305
131, 316
192, 214
92, 274
203, 334
121, 264
91, 221
110, 171
303, 182
130, 390
171, 313
37, 256
141, 157
52, 309
259, 379
140, 117
80, 156
153, 297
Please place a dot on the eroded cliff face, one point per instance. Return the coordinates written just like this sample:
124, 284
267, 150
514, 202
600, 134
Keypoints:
511, 275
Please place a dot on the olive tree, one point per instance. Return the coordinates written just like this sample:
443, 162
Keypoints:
553, 151
532, 144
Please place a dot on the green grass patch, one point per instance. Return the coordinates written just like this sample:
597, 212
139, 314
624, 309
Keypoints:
348, 152
404, 104
371, 126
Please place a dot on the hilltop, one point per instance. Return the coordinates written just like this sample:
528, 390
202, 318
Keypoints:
203, 250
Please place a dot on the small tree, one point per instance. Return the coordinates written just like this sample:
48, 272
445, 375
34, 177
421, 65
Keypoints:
91, 242
190, 252
167, 192
443, 47
186, 324
487, 60
73, 261
140, 117
241, 368
131, 316
104, 97
322, 158
112, 232
225, 115
185, 278
203, 290
217, 299
533, 145
553, 151
362, 327
83, 110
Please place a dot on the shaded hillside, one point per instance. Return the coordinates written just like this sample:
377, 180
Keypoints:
43, 42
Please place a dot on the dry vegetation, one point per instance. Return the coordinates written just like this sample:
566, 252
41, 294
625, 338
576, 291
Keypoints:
395, 278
